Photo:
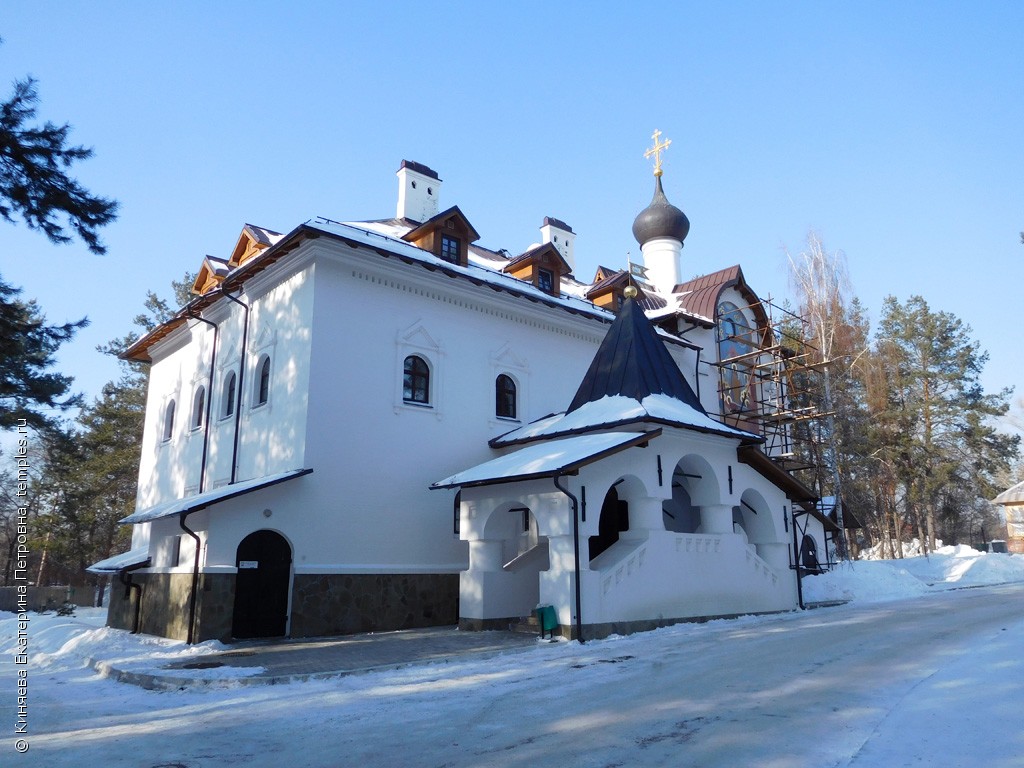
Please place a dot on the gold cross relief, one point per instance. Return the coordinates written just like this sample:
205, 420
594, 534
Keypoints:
656, 150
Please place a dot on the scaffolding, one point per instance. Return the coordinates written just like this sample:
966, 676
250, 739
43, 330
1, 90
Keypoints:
768, 380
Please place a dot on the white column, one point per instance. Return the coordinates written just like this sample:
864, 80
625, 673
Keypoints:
485, 555
716, 518
644, 516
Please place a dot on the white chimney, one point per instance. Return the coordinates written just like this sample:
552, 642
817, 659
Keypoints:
561, 235
419, 190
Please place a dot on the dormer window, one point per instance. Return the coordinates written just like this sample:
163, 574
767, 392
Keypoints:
446, 235
450, 249
608, 289
545, 280
543, 266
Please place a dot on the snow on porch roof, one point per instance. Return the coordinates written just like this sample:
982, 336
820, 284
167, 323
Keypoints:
619, 410
121, 562
548, 459
205, 499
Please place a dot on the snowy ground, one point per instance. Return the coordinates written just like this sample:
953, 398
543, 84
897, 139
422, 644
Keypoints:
915, 670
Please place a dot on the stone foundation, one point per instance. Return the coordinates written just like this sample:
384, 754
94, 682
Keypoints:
165, 605
344, 604
322, 604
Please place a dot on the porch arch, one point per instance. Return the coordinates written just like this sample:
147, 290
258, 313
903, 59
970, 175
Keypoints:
696, 475
756, 519
614, 518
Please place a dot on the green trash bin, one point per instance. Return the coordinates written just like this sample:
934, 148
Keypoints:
547, 619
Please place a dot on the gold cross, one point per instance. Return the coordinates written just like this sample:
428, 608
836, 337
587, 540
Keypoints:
656, 150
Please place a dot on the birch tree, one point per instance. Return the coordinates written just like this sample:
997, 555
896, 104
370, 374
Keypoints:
821, 282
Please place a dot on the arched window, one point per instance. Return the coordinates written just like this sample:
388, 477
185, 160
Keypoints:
199, 407
736, 340
416, 380
168, 421
505, 397
262, 382
227, 395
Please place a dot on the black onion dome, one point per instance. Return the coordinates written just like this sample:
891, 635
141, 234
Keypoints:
660, 219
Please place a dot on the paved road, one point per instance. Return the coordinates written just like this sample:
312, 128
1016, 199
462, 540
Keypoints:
936, 681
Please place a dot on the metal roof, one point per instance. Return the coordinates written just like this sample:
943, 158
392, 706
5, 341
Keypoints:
132, 559
207, 498
549, 459
633, 362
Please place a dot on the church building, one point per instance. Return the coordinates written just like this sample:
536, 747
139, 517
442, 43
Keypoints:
377, 425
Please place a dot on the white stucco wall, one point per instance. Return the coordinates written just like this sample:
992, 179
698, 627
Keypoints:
649, 573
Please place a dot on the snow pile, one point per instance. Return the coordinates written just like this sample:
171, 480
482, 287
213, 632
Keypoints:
910, 548
60, 643
880, 580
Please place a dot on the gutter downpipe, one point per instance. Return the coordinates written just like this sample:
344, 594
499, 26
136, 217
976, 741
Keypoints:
195, 578
576, 553
209, 401
125, 576
796, 558
194, 591
241, 382
696, 373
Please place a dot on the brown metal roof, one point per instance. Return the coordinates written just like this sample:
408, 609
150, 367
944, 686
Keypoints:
702, 294
433, 221
534, 253
796, 491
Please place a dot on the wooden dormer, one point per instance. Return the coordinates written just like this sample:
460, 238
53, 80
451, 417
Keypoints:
446, 235
252, 241
211, 275
542, 266
603, 273
608, 287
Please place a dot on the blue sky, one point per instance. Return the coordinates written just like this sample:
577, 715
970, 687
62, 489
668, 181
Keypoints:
893, 129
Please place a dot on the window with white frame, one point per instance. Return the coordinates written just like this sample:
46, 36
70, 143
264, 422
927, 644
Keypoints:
416, 380
227, 395
505, 405
198, 408
168, 426
261, 390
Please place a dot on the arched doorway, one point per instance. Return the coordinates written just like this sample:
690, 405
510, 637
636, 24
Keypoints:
264, 561
613, 521
809, 555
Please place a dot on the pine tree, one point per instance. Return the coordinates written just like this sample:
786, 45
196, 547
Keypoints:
90, 472
33, 181
935, 431
35, 186
27, 349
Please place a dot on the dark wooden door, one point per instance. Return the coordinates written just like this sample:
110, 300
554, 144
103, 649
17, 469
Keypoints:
264, 562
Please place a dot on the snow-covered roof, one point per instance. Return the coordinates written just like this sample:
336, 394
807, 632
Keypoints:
374, 234
121, 562
205, 499
618, 410
547, 459
1011, 497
